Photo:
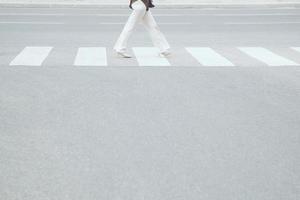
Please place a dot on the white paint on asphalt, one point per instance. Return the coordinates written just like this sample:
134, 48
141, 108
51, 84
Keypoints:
33, 14
156, 14
208, 57
91, 56
296, 48
267, 56
149, 56
158, 8
32, 56
259, 23
33, 23
101, 23
164, 23
253, 14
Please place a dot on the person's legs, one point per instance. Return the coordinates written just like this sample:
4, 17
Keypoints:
157, 36
139, 10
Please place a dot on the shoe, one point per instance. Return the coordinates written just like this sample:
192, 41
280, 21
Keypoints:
165, 54
124, 54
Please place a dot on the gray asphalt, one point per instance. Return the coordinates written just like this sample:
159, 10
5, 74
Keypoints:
125, 132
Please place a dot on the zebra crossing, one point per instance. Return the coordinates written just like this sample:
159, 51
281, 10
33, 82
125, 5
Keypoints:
91, 56
267, 56
32, 56
208, 57
148, 56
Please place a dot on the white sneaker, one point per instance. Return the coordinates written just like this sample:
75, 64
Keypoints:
124, 54
165, 54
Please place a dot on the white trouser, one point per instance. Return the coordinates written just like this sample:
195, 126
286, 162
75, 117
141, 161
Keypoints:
139, 14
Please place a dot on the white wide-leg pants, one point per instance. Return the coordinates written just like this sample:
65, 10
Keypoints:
140, 14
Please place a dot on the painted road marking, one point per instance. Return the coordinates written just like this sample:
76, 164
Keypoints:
32, 56
166, 23
91, 56
296, 48
266, 56
157, 14
259, 23
208, 57
32, 23
149, 56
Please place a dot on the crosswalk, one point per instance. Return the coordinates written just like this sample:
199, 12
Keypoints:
266, 56
148, 56
296, 48
208, 57
32, 56
91, 56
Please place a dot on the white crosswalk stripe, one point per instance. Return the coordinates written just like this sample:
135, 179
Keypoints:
296, 48
148, 56
266, 56
208, 57
32, 56
91, 56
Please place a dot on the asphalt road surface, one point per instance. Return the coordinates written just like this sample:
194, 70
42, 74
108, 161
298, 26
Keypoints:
219, 119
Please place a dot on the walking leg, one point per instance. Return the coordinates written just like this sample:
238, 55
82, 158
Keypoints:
157, 36
139, 10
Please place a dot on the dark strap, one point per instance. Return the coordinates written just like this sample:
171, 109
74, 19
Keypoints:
150, 4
